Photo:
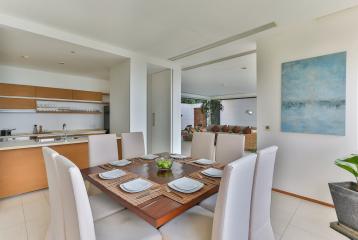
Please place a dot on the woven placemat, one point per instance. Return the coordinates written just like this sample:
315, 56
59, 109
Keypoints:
184, 198
133, 198
201, 177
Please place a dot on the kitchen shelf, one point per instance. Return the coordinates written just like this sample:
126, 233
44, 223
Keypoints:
69, 112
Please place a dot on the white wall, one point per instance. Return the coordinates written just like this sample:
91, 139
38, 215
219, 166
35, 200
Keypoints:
305, 162
234, 112
187, 114
16, 75
120, 98
23, 122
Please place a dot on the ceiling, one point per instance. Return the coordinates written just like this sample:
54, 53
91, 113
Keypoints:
223, 78
166, 28
161, 28
28, 50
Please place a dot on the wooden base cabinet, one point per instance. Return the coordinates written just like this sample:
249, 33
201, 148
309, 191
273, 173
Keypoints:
23, 170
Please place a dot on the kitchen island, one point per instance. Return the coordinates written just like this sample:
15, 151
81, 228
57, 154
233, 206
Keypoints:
22, 168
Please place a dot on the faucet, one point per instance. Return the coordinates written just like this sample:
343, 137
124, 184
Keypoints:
64, 129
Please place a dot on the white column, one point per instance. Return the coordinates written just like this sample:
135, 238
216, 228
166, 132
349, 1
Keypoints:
138, 97
176, 110
119, 97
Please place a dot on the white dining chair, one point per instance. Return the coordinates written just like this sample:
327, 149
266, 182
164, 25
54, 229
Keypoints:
229, 147
202, 145
102, 205
132, 145
102, 149
260, 222
55, 229
232, 215
78, 217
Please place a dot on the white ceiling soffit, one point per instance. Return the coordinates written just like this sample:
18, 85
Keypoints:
231, 77
28, 50
219, 60
224, 41
165, 28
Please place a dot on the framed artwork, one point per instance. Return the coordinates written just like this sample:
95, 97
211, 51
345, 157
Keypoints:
313, 95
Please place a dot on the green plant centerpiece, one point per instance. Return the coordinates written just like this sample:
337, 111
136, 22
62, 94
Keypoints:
164, 163
345, 194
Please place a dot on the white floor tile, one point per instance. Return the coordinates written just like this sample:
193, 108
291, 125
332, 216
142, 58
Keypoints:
282, 210
11, 216
37, 229
10, 202
33, 196
36, 210
295, 233
17, 232
315, 218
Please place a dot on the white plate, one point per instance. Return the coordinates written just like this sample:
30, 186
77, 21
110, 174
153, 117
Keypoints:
178, 156
120, 163
204, 161
112, 174
137, 185
186, 185
149, 157
213, 172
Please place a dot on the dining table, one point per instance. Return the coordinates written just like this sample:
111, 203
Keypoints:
160, 203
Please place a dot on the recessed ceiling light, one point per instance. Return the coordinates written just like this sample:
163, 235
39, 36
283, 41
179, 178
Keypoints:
61, 63
73, 52
244, 68
25, 56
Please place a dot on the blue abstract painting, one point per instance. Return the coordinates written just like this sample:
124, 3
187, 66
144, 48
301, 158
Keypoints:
313, 95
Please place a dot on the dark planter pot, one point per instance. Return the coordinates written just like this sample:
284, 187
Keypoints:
345, 199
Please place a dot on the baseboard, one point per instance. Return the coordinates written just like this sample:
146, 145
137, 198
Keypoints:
303, 197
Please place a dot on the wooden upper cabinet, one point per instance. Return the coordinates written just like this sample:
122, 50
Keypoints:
17, 103
16, 90
87, 95
59, 93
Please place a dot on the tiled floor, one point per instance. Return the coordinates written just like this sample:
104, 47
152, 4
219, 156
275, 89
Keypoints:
27, 217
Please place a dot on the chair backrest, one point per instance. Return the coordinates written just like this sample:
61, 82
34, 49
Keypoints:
56, 229
77, 211
260, 223
202, 145
102, 149
232, 211
132, 145
229, 147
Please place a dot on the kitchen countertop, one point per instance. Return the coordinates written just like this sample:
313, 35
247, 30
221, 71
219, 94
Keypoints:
11, 145
57, 133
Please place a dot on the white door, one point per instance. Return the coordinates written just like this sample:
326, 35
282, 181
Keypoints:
160, 111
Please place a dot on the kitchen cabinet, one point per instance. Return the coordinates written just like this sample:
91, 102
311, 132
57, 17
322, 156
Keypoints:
86, 95
57, 93
23, 170
16, 90
17, 103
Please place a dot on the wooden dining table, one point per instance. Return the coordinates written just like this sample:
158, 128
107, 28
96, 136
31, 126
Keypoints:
167, 203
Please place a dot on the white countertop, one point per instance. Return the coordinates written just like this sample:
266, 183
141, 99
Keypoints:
56, 133
11, 145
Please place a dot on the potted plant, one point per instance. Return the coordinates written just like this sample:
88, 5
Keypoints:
345, 194
212, 108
